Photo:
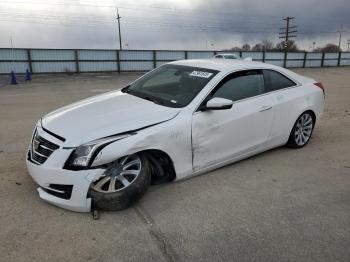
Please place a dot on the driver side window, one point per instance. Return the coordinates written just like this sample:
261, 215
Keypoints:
241, 85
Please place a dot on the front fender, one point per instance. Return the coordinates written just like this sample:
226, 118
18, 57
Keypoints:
176, 142
118, 149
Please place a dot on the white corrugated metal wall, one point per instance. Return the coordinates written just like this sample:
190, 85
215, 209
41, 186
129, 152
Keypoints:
60, 60
13, 59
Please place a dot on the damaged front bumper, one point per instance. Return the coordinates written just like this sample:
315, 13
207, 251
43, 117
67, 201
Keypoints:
64, 188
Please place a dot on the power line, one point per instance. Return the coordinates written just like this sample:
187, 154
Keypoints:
137, 26
153, 25
133, 7
132, 21
178, 11
187, 16
178, 20
145, 22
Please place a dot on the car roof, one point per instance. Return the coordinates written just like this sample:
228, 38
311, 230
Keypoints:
223, 65
229, 65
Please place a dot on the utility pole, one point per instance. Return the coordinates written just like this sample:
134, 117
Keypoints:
120, 35
348, 44
287, 33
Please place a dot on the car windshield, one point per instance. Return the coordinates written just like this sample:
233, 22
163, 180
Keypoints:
171, 85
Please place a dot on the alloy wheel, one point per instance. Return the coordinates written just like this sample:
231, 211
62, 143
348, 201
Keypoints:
119, 175
303, 129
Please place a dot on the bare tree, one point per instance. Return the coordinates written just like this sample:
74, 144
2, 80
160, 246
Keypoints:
329, 48
236, 48
246, 47
268, 45
292, 46
265, 45
258, 47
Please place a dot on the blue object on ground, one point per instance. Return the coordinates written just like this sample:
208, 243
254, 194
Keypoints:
13, 78
27, 76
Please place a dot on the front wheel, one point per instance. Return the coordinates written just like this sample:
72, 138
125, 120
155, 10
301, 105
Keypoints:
123, 182
302, 131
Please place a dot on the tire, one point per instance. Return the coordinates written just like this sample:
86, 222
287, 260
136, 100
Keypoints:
302, 130
104, 197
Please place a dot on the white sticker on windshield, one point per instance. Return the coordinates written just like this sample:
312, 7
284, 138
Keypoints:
201, 74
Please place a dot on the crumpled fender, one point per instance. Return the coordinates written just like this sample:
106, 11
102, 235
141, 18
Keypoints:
176, 142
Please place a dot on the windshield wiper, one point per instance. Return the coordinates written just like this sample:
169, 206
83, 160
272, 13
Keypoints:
141, 95
125, 89
156, 101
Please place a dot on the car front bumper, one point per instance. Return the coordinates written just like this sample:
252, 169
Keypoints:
78, 181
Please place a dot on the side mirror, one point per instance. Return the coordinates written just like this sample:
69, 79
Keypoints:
218, 103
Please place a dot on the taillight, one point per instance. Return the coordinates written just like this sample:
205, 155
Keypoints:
319, 84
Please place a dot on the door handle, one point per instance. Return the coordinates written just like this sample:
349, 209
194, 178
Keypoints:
265, 108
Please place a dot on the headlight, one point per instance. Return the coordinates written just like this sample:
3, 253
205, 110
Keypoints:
83, 155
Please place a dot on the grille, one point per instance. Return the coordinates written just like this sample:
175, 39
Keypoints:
41, 149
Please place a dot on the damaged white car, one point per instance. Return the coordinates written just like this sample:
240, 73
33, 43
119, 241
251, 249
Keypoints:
179, 120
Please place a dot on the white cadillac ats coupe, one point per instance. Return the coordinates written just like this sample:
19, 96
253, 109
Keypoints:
179, 120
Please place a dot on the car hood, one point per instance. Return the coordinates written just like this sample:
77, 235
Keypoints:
105, 115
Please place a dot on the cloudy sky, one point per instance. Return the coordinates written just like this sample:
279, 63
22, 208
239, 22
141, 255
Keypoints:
165, 24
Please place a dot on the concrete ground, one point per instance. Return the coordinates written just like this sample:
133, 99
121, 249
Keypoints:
282, 205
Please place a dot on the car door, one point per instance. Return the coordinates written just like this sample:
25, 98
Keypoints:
220, 135
284, 101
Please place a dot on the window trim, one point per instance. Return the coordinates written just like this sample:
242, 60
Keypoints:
225, 78
204, 100
234, 75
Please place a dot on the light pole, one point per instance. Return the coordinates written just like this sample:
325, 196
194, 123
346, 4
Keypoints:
340, 31
120, 35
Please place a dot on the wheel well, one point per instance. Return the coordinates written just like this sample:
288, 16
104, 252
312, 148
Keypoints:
312, 114
162, 167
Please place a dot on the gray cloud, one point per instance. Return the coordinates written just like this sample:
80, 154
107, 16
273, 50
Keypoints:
171, 25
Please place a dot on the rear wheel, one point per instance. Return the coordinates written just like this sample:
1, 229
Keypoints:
123, 182
302, 130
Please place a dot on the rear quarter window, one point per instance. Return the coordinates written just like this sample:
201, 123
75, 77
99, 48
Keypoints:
276, 81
